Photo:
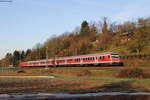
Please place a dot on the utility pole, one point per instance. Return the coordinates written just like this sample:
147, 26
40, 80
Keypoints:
39, 53
46, 56
55, 57
19, 58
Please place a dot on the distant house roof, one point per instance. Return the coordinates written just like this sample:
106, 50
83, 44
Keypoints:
125, 34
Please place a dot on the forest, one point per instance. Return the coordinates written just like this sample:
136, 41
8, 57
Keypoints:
127, 38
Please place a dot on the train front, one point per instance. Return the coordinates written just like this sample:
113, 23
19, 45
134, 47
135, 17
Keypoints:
115, 58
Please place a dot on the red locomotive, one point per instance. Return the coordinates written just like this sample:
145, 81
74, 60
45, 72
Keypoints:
108, 58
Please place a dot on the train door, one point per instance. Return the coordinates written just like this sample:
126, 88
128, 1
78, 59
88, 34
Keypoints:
96, 60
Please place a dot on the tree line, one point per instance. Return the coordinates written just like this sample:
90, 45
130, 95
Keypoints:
131, 37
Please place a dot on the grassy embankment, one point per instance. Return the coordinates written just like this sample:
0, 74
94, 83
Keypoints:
75, 80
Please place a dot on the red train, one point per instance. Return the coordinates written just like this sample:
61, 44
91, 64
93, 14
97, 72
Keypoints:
108, 58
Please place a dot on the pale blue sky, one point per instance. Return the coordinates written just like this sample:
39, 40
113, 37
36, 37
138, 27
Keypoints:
23, 23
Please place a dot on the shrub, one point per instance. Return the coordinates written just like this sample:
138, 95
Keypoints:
21, 71
133, 73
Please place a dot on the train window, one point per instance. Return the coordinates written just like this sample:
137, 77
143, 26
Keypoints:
69, 60
115, 57
53, 61
42, 62
100, 57
93, 58
83, 59
103, 57
108, 56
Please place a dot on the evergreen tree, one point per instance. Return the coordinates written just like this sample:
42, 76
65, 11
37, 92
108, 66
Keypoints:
93, 30
16, 58
7, 60
28, 52
22, 55
85, 30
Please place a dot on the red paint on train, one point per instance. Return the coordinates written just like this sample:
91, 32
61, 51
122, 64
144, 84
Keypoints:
109, 58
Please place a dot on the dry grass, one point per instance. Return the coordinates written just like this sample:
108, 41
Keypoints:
133, 73
74, 79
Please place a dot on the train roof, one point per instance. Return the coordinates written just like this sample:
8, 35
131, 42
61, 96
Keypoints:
112, 53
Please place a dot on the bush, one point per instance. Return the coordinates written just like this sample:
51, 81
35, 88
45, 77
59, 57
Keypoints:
21, 71
133, 73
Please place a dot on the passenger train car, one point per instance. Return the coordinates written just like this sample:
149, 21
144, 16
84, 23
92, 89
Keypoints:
108, 58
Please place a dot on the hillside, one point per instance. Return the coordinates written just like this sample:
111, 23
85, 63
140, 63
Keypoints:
129, 38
